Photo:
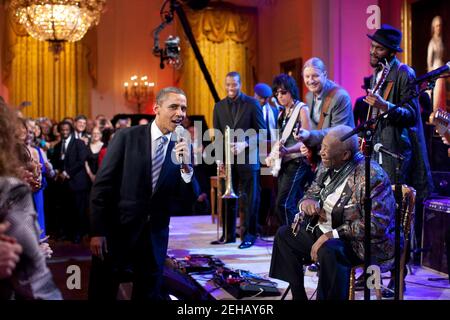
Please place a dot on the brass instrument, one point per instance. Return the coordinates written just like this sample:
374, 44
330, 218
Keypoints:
228, 197
229, 192
220, 176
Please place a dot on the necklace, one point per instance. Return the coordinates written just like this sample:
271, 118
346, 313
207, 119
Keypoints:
288, 113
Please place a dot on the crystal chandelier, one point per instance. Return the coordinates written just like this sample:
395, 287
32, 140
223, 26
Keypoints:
57, 21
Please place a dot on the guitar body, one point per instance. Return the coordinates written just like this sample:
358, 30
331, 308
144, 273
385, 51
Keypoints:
274, 160
441, 120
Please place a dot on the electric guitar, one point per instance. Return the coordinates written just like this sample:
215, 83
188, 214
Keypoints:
310, 223
274, 160
373, 112
441, 120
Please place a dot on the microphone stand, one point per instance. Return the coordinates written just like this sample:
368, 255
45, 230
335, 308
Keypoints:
398, 217
368, 128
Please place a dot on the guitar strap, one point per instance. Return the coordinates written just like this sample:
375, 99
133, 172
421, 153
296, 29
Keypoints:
389, 87
292, 121
326, 106
289, 129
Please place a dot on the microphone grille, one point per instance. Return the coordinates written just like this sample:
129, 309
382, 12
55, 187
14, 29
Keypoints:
377, 147
179, 129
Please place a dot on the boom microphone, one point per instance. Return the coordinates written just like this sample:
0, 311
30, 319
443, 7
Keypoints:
379, 148
434, 74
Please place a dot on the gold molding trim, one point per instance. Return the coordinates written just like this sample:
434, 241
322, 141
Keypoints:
406, 30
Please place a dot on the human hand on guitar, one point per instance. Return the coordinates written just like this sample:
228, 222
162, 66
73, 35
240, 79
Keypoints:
310, 207
304, 150
376, 101
301, 134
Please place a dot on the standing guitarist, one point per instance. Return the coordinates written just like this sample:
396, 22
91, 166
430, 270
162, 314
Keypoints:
402, 131
330, 105
294, 171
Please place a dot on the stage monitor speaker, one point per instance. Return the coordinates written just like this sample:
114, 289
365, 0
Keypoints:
436, 223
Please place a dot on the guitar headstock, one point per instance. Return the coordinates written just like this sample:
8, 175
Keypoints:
441, 120
386, 67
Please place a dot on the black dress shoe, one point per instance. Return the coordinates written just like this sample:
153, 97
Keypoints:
246, 244
222, 241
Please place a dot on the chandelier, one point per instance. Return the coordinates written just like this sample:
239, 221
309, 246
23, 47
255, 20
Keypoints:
57, 21
138, 92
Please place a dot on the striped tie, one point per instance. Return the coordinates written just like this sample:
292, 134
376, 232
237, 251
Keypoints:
158, 160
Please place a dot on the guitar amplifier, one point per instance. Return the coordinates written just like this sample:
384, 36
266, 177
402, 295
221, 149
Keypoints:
436, 223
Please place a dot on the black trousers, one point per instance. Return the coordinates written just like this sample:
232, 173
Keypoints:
144, 271
292, 179
246, 184
335, 258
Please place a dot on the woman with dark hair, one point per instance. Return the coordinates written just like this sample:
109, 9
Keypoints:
292, 168
31, 279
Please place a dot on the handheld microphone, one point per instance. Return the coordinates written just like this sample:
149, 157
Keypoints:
434, 74
179, 132
379, 148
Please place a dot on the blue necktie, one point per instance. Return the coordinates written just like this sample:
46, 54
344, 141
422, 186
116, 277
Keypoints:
158, 160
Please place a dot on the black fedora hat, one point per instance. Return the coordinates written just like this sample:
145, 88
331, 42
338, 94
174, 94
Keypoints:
388, 36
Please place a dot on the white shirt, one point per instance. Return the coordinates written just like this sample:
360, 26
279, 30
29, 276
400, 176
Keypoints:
156, 134
328, 206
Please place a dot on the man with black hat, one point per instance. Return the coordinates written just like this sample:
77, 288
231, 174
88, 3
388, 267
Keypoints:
401, 132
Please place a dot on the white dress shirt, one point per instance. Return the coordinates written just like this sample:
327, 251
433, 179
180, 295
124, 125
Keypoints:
328, 206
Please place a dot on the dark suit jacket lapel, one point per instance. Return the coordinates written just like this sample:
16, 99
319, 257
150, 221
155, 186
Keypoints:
147, 154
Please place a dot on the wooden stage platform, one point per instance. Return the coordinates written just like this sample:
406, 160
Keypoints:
193, 234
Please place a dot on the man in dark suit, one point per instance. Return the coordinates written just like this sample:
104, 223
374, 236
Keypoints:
68, 158
242, 114
131, 201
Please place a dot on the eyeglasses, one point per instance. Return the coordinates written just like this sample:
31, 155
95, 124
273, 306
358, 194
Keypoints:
283, 92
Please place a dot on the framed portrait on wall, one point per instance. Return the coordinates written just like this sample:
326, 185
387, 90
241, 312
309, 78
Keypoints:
430, 44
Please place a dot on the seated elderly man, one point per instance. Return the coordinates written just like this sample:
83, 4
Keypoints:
333, 208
